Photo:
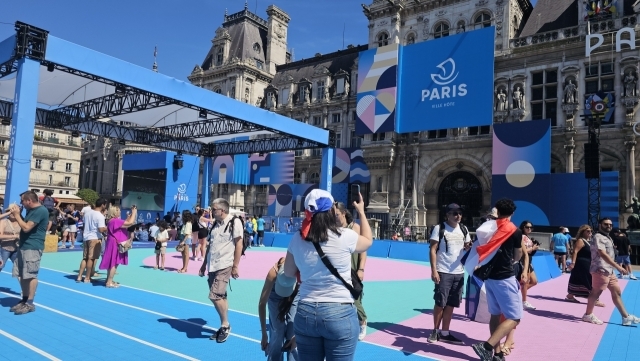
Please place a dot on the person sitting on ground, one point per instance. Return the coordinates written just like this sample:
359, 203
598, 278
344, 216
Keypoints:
603, 276
279, 294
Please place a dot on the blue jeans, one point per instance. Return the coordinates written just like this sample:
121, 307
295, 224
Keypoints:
280, 332
7, 255
326, 330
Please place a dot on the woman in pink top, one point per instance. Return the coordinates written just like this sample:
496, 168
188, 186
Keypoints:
116, 233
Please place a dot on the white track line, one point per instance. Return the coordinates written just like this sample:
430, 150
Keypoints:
29, 346
111, 330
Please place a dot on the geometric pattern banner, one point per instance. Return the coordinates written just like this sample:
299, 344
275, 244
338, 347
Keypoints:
376, 100
349, 166
285, 198
602, 105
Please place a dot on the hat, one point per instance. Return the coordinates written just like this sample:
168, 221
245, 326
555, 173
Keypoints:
318, 200
453, 207
493, 213
284, 284
565, 230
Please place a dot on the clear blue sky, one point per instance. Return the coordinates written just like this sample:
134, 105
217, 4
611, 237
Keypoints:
182, 30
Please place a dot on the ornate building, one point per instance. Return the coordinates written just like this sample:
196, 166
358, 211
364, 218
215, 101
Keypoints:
541, 72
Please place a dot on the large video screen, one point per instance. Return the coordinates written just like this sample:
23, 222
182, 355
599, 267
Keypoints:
144, 188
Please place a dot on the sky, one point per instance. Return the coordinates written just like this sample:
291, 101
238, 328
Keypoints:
182, 30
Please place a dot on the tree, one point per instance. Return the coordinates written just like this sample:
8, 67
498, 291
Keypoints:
88, 195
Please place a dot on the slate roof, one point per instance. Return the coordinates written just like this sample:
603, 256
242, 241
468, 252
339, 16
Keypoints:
550, 15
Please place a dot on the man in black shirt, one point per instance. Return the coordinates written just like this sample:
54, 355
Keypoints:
503, 291
623, 248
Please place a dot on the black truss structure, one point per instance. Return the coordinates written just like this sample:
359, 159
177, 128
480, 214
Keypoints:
31, 42
594, 185
208, 128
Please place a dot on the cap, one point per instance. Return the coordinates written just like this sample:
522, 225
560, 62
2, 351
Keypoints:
284, 284
318, 200
493, 214
565, 230
453, 207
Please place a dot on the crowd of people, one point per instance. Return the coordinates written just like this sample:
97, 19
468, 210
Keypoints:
314, 294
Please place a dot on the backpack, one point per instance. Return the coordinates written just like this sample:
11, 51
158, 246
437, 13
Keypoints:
464, 230
230, 227
49, 203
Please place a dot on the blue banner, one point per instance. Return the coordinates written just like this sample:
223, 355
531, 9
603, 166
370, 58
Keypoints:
446, 83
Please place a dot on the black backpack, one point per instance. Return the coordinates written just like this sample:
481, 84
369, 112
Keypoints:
464, 230
230, 227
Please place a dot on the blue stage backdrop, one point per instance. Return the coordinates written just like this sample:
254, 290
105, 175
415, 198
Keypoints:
446, 83
521, 171
156, 187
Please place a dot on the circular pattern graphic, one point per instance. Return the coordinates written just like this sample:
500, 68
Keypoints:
284, 194
365, 103
520, 174
255, 166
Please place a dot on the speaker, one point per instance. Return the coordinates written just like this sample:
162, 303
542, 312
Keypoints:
177, 163
591, 160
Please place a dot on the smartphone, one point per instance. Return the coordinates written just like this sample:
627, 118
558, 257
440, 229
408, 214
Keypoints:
355, 193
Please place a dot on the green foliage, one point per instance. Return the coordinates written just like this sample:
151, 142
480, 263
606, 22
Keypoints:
88, 195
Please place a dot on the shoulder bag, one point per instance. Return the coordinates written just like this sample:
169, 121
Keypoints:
124, 247
356, 288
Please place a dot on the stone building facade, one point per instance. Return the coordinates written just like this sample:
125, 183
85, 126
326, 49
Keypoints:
541, 71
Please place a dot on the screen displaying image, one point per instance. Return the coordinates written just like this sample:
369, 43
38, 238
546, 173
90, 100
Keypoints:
144, 188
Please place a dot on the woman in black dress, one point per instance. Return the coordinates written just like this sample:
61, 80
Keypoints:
580, 279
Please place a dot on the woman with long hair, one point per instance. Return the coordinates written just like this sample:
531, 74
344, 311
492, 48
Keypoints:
580, 281
195, 230
531, 247
279, 295
203, 221
9, 237
358, 261
116, 233
187, 231
326, 323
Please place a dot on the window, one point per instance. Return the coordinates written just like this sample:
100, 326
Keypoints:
296, 178
377, 136
356, 140
482, 21
52, 165
383, 39
2, 143
317, 152
50, 179
219, 55
299, 153
53, 135
67, 167
441, 30
218, 90
67, 181
485, 129
317, 120
40, 134
338, 140
379, 185
69, 139
437, 134
38, 163
335, 118
354, 115
269, 104
259, 64
544, 94
284, 96
411, 39
320, 89
315, 177
232, 94
256, 47
599, 77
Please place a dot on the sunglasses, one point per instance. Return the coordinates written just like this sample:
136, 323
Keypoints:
455, 213
528, 227
607, 224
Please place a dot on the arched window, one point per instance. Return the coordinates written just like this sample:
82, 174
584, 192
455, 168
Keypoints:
383, 39
232, 94
219, 55
379, 185
218, 90
246, 95
411, 39
315, 177
441, 30
482, 20
297, 179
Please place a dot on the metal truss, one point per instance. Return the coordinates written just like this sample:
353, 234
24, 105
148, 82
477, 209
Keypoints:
593, 201
31, 42
208, 128
8, 67
6, 109
264, 145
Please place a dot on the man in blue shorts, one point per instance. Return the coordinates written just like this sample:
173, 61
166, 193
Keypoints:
503, 291
559, 245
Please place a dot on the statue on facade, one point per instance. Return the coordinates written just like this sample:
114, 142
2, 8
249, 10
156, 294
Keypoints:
630, 84
290, 99
501, 101
518, 98
633, 222
347, 87
326, 95
570, 93
306, 95
259, 101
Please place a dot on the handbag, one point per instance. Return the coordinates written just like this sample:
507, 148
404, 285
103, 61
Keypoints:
355, 288
180, 247
124, 247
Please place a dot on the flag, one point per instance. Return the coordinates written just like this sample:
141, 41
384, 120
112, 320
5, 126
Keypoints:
491, 235
155, 51
599, 6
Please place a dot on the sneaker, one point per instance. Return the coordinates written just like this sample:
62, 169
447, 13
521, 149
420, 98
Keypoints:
16, 306
592, 319
527, 306
631, 276
626, 321
483, 353
222, 334
363, 332
498, 358
434, 336
26, 308
451, 339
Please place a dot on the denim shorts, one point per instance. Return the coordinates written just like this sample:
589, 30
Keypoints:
503, 297
449, 291
623, 259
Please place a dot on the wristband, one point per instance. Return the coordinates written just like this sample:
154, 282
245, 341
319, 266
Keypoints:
361, 269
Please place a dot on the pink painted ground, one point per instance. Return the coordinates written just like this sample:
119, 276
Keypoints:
552, 332
256, 264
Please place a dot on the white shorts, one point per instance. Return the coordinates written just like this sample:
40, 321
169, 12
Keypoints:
71, 228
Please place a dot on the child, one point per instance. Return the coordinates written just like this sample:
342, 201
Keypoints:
162, 236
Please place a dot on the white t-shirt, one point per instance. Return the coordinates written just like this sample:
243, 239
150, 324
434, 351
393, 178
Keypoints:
162, 235
85, 210
449, 262
153, 230
93, 221
222, 245
318, 284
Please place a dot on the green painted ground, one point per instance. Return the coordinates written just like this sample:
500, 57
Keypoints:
384, 302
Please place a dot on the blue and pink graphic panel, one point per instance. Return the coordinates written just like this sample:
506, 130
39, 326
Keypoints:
349, 166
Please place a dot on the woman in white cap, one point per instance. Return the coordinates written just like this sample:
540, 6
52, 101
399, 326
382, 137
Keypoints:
279, 294
326, 323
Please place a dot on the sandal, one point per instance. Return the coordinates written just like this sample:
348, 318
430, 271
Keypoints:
571, 299
505, 349
182, 271
78, 280
600, 304
113, 285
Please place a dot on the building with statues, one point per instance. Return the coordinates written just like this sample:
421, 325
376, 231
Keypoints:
542, 71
